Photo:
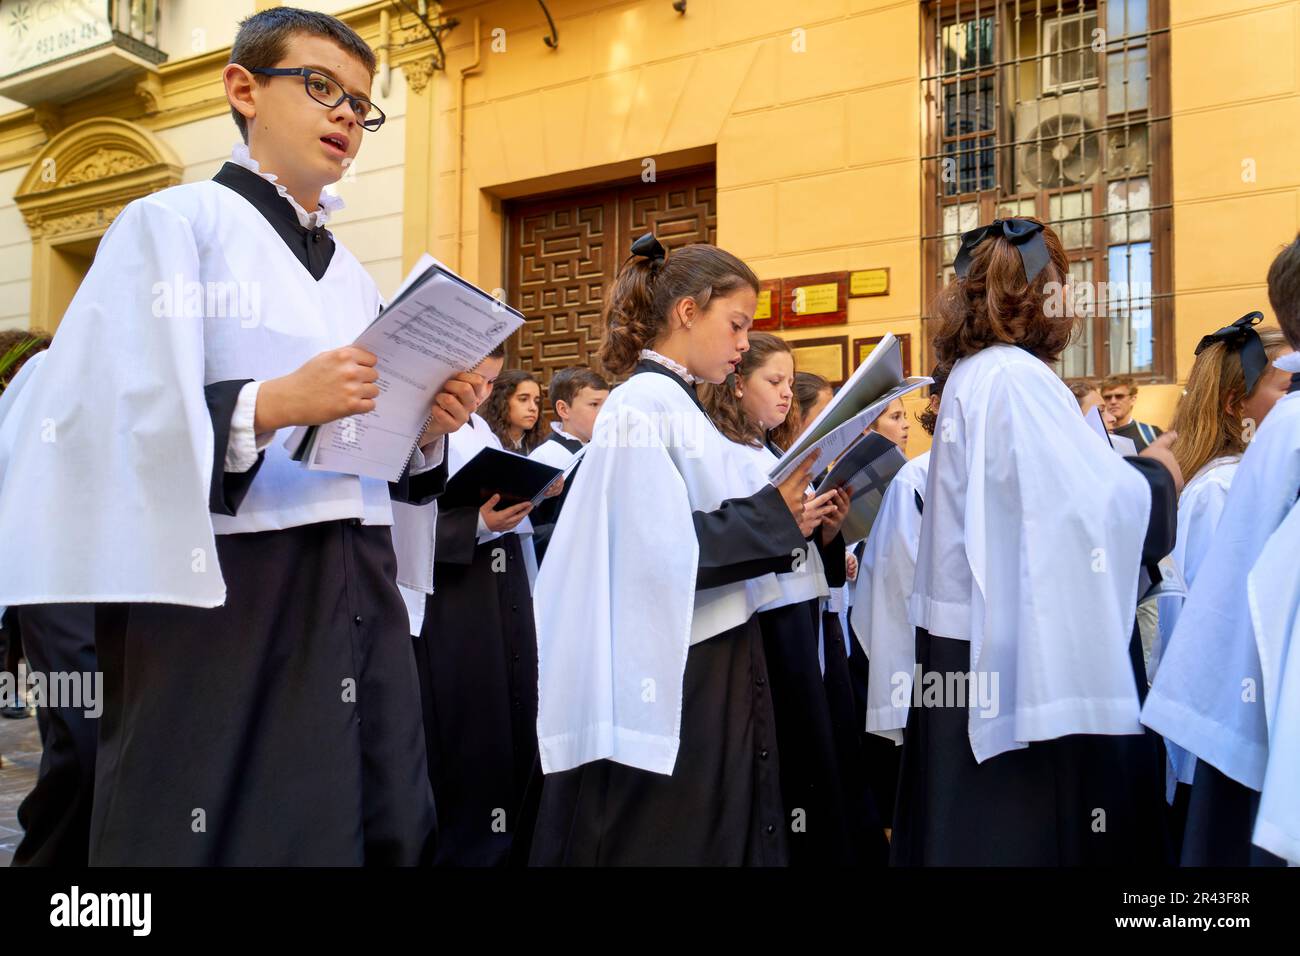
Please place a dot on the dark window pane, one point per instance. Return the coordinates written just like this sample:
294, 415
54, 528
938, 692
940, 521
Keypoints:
969, 166
969, 110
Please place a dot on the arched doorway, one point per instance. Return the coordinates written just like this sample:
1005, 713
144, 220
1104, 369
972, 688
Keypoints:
74, 189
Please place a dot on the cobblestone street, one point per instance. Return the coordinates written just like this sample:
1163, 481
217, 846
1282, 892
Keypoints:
20, 750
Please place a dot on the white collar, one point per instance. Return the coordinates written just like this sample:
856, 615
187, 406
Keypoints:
669, 364
329, 203
555, 427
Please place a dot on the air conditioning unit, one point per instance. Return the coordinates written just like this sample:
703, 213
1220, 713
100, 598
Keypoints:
1058, 143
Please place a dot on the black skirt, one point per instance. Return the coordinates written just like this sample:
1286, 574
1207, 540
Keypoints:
881, 755
281, 729
866, 815
1220, 822
477, 659
1084, 799
721, 806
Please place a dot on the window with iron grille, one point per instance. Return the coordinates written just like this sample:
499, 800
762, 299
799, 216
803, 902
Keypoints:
1059, 110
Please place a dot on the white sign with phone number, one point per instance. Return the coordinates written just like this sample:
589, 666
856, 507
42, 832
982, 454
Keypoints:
35, 32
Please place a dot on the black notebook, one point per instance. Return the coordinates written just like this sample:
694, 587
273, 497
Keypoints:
494, 472
866, 469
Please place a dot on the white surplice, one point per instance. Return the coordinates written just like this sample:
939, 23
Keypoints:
1200, 507
881, 595
108, 474
415, 526
1030, 550
612, 640
1273, 595
1219, 669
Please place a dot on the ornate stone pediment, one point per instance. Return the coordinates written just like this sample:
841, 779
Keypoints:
87, 173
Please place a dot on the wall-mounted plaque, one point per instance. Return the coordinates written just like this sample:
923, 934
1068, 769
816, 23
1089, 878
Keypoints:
867, 282
862, 348
808, 301
767, 317
827, 357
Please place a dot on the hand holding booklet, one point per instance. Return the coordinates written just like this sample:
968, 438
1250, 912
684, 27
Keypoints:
862, 462
859, 402
516, 478
436, 326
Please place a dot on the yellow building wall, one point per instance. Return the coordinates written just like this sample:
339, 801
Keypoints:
1235, 86
811, 108
810, 112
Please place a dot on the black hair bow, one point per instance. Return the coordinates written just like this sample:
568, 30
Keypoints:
1241, 337
1025, 235
649, 247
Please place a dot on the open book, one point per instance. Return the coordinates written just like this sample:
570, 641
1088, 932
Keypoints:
865, 470
436, 326
492, 471
859, 402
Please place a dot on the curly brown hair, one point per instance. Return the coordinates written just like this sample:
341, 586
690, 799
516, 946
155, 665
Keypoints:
645, 291
928, 418
496, 410
995, 305
721, 403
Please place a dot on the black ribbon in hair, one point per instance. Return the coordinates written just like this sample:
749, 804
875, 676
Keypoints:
649, 247
1241, 337
1025, 235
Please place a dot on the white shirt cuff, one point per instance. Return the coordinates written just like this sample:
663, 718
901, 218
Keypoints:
244, 446
429, 457
484, 534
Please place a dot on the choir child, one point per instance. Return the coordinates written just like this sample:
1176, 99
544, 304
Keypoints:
1219, 693
514, 411
1231, 387
655, 722
1024, 746
261, 701
879, 614
476, 656
829, 822
576, 395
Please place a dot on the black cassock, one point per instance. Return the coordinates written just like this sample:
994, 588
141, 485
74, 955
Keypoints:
1037, 806
722, 804
477, 660
831, 816
866, 812
282, 728
59, 638
1220, 822
546, 514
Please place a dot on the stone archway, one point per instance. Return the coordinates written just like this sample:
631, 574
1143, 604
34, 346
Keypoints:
72, 192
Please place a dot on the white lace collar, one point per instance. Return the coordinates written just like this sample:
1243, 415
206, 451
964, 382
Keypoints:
669, 364
329, 203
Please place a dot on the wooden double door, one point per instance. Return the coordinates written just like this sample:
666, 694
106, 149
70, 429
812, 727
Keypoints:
563, 252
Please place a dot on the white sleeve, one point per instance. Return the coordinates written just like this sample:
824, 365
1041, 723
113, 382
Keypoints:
429, 457
244, 446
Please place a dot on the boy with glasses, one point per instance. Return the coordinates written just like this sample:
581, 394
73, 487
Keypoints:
261, 701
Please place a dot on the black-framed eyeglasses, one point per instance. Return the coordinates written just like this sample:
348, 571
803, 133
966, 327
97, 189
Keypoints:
327, 91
